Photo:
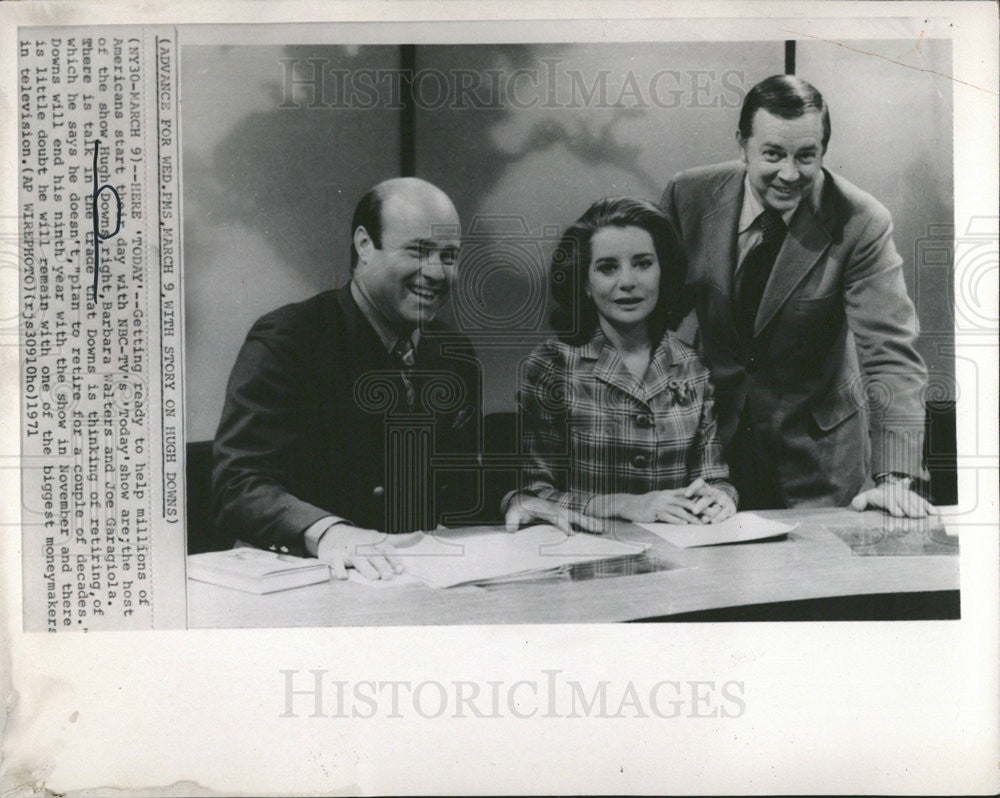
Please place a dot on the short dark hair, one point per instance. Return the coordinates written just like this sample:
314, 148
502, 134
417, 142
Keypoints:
368, 214
575, 315
785, 96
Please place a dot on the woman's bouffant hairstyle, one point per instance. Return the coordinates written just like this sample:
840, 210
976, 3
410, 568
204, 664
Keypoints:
575, 315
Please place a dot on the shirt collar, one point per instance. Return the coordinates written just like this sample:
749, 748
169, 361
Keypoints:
377, 320
610, 368
753, 207
598, 343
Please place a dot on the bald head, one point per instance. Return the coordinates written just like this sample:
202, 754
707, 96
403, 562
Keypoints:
405, 249
403, 192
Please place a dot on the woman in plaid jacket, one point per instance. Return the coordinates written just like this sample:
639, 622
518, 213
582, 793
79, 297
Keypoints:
616, 413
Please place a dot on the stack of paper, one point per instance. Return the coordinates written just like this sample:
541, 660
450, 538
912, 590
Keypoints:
255, 570
452, 557
741, 528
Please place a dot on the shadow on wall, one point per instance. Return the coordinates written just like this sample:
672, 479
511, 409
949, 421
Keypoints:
522, 137
540, 133
293, 173
273, 169
268, 195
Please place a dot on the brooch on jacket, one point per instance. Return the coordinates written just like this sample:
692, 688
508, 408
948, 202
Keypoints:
680, 391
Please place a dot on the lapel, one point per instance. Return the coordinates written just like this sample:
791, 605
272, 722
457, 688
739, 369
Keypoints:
363, 348
719, 233
805, 243
609, 367
661, 369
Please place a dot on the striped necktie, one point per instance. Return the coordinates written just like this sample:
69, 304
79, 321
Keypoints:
404, 351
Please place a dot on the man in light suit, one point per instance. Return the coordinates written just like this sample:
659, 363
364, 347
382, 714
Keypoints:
803, 316
337, 406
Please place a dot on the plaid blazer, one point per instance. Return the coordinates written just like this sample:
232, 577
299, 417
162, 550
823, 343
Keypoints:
589, 427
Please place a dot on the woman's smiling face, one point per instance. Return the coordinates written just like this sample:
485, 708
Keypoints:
623, 278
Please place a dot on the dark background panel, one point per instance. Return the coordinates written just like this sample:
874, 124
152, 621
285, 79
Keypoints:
523, 138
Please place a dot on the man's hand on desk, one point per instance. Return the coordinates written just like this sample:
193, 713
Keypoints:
894, 496
343, 546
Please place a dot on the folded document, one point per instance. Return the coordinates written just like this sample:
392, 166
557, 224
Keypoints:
444, 558
452, 557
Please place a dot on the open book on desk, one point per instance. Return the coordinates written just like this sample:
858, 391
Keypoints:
740, 528
481, 555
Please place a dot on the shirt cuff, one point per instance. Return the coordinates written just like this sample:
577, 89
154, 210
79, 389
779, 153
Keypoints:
893, 476
571, 500
314, 533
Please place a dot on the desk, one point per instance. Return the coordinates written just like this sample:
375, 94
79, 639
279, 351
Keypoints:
812, 563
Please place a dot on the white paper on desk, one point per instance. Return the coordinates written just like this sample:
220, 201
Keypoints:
741, 528
453, 557
399, 580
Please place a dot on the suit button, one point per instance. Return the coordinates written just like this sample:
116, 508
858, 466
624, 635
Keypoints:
640, 461
643, 420
379, 492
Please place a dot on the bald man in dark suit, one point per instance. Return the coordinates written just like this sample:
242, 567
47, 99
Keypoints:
340, 409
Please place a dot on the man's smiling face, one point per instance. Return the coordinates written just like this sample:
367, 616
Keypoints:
783, 157
410, 274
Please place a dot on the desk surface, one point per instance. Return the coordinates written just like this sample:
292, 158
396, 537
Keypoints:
813, 562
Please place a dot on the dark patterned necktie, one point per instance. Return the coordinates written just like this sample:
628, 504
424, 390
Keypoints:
757, 269
404, 351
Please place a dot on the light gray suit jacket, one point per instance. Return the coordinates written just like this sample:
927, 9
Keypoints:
831, 379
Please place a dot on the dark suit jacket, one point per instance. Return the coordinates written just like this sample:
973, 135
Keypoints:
316, 423
831, 379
